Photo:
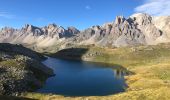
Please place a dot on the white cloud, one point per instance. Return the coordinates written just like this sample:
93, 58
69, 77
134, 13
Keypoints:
155, 7
6, 15
88, 7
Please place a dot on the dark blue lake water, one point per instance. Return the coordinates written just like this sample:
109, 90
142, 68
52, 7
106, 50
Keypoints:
76, 78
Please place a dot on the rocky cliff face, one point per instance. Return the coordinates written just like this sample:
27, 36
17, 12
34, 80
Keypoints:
136, 30
32, 35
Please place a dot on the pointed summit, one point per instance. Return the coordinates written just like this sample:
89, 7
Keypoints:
119, 19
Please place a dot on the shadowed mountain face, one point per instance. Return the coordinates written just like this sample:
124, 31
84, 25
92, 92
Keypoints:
71, 53
136, 30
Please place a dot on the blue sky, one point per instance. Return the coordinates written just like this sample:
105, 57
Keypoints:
78, 13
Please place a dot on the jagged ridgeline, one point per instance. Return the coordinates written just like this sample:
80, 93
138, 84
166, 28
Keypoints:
138, 29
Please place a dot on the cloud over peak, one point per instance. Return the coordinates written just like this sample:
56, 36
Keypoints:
155, 7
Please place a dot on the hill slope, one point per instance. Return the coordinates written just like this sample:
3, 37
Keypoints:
21, 70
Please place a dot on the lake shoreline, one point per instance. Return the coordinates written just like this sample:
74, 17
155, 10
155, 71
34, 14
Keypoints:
147, 79
96, 74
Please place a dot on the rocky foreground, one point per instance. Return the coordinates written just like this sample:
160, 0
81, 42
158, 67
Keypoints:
21, 70
138, 29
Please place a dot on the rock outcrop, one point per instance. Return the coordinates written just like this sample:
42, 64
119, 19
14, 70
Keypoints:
138, 29
32, 35
21, 70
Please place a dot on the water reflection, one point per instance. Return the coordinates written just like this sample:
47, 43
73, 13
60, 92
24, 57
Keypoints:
75, 78
120, 73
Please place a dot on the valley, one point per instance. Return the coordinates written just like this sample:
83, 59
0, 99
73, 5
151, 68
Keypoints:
139, 44
149, 67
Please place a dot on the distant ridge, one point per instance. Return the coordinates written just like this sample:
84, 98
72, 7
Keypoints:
138, 29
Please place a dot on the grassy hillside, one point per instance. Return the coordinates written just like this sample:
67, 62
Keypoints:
20, 70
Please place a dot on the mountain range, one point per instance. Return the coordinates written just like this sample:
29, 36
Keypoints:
138, 29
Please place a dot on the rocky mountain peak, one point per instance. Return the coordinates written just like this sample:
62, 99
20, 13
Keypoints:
96, 28
7, 30
142, 18
119, 20
52, 25
137, 29
73, 30
29, 27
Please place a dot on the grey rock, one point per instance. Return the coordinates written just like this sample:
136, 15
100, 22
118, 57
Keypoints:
21, 70
138, 29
